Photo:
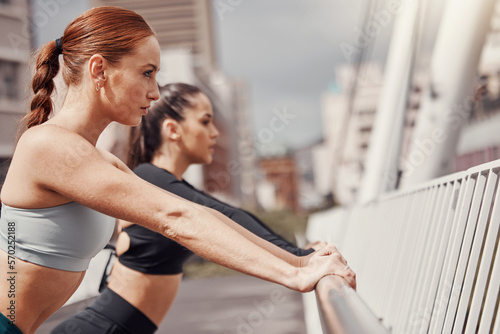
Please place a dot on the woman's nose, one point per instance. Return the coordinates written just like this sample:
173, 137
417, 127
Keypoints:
155, 93
215, 132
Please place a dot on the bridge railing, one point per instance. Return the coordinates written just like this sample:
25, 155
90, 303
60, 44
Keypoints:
427, 259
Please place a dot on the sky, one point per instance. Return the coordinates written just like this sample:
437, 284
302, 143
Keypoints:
286, 51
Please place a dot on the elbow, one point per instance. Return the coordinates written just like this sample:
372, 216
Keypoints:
178, 223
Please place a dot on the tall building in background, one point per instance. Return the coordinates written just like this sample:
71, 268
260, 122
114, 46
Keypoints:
480, 138
309, 196
241, 167
185, 33
280, 172
184, 25
15, 48
348, 120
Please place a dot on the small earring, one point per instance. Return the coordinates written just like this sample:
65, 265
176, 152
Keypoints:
97, 87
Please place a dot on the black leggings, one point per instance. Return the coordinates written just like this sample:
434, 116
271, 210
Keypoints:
108, 314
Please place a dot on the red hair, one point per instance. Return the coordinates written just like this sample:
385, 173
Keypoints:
112, 32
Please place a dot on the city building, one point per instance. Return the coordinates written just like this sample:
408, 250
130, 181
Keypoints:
280, 173
15, 52
348, 117
182, 24
480, 139
241, 167
309, 196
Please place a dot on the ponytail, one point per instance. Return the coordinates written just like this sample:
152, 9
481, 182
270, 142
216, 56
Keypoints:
47, 66
137, 153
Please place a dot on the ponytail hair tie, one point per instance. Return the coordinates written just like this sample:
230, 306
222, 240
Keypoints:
59, 46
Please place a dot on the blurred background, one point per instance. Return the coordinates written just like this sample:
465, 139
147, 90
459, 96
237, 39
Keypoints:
269, 68
296, 87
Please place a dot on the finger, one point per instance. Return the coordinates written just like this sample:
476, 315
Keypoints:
340, 256
339, 260
350, 276
325, 251
331, 248
351, 281
343, 270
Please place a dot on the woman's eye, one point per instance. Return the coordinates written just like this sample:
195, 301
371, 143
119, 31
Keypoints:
148, 74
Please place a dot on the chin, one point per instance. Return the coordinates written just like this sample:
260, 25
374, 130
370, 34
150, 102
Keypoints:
133, 122
208, 161
136, 123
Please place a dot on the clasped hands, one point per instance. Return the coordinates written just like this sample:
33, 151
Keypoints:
326, 254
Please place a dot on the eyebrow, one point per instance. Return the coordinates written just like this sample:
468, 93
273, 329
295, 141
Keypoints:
154, 67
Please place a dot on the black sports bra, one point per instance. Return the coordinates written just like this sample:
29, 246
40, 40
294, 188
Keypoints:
152, 253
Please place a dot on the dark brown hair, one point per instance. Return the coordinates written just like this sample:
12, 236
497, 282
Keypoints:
112, 32
145, 139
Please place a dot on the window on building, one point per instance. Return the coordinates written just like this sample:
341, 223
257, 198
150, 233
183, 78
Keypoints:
9, 80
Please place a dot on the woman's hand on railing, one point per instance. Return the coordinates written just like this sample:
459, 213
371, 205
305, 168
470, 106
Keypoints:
323, 262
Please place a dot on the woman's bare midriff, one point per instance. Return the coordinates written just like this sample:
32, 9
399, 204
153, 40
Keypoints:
153, 295
33, 292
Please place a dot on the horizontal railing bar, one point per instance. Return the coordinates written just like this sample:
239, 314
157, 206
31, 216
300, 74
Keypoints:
342, 311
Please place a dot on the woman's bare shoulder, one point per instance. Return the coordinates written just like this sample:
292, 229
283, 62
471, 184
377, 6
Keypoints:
49, 137
43, 153
114, 160
56, 153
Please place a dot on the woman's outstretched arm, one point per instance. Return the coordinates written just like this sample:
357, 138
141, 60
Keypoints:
73, 168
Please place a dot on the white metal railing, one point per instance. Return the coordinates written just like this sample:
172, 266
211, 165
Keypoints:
342, 311
427, 259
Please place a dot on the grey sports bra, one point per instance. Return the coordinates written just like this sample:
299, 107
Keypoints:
63, 237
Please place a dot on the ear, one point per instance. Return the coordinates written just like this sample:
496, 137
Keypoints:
171, 129
97, 68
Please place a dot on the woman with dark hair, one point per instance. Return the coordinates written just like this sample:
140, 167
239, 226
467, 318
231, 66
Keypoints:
60, 191
177, 131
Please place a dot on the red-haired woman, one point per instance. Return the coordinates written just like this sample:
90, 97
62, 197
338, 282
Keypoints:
60, 191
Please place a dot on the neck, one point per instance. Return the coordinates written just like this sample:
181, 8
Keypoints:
85, 119
171, 162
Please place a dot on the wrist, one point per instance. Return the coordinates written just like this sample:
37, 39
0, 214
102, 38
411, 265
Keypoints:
304, 280
304, 260
293, 278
